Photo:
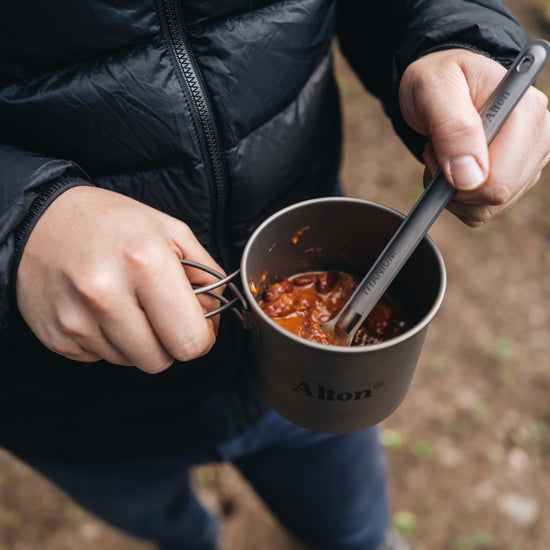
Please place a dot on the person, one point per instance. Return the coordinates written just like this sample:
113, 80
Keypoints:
135, 134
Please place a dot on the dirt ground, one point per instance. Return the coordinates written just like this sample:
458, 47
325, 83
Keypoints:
469, 449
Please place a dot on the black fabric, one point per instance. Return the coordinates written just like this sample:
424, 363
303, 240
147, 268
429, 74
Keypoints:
217, 113
381, 39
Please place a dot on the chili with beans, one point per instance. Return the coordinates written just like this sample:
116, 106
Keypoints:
303, 302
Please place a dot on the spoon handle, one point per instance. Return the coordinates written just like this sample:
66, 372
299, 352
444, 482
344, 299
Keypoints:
439, 192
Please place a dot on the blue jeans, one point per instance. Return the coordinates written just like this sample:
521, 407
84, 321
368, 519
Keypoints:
328, 490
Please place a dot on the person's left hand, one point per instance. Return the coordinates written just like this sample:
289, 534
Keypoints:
440, 95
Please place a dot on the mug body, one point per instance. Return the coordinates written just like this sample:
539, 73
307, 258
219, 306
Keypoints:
331, 388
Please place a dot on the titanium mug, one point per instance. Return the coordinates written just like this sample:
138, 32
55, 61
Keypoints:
326, 388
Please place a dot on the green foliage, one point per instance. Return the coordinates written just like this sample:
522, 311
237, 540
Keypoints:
405, 522
503, 352
422, 449
482, 539
501, 349
440, 361
391, 439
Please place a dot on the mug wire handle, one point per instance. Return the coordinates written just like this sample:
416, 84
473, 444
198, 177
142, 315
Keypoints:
227, 303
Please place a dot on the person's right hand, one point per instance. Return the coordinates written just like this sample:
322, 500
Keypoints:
100, 278
440, 97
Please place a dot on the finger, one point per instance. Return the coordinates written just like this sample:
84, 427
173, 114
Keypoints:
456, 132
210, 303
104, 322
193, 250
517, 155
98, 347
440, 95
74, 333
175, 313
132, 336
189, 248
71, 350
521, 149
200, 278
476, 215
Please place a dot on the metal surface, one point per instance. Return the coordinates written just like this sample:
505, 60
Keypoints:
327, 388
336, 388
227, 304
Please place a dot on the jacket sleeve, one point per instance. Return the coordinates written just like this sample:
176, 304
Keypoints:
380, 39
29, 182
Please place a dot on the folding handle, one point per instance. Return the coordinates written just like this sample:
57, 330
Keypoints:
227, 303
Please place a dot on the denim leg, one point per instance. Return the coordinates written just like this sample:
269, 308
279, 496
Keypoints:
151, 499
329, 490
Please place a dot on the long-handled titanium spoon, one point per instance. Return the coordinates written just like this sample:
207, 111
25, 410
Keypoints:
438, 193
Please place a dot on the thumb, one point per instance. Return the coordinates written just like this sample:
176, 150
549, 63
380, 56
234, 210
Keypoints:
436, 101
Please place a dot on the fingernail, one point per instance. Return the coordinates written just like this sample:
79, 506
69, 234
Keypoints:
466, 173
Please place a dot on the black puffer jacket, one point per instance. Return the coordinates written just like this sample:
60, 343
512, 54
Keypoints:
217, 113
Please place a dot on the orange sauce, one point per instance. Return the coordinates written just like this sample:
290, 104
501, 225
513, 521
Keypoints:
303, 302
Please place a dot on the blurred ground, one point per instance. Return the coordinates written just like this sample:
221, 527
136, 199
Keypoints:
469, 449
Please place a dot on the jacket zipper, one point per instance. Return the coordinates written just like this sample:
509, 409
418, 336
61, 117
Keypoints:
207, 136
205, 126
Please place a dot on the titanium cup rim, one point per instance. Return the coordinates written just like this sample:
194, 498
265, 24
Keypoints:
256, 310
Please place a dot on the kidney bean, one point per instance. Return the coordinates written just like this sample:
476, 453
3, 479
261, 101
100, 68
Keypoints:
305, 303
276, 289
313, 332
280, 307
326, 281
303, 280
302, 303
379, 319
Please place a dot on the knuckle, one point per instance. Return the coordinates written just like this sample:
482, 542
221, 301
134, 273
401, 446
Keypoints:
58, 346
155, 367
197, 346
98, 290
142, 258
423, 80
69, 323
472, 223
473, 216
498, 195
181, 233
84, 356
71, 350
479, 216
458, 127
185, 230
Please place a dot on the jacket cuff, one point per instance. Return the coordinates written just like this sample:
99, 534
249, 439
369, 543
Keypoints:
51, 191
